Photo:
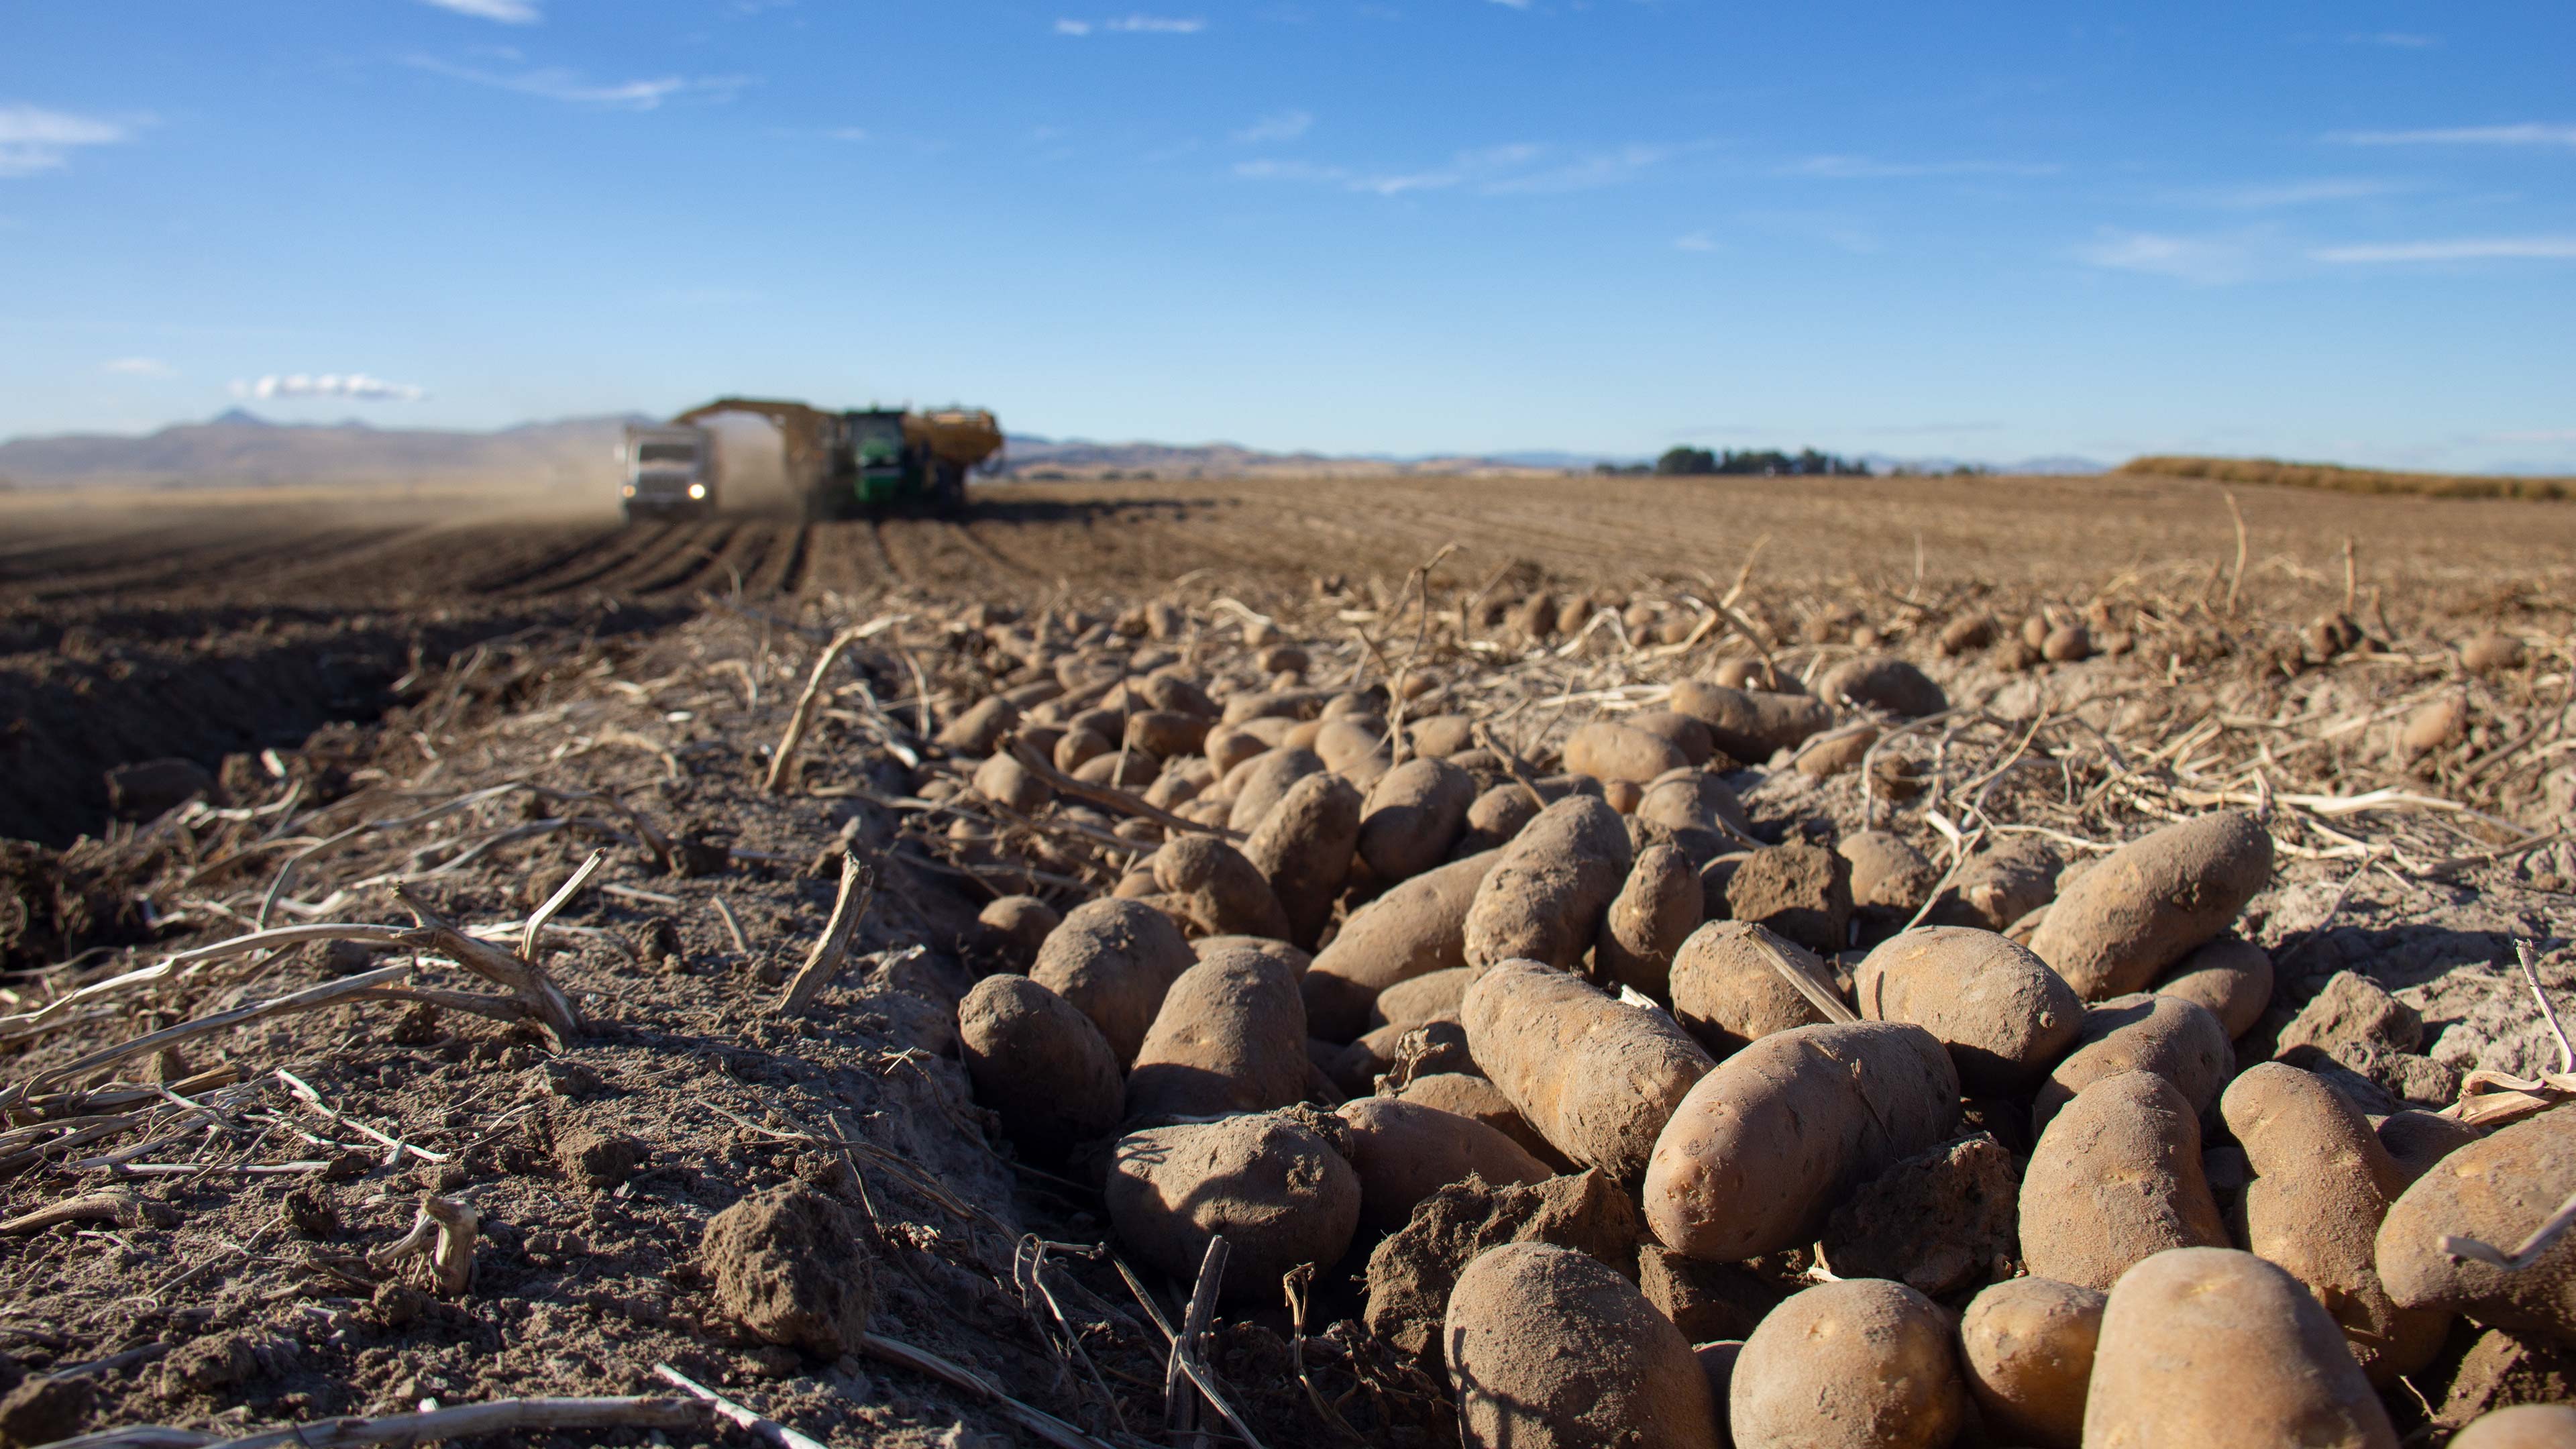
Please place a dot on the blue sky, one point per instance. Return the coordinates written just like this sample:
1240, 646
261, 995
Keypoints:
1990, 230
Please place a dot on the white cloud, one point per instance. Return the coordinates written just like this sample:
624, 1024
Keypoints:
2468, 249
1073, 27
1134, 25
508, 12
1514, 4
2528, 133
139, 367
2265, 196
33, 139
846, 133
1866, 168
2395, 39
354, 386
1519, 168
554, 83
2204, 260
1285, 126
1698, 241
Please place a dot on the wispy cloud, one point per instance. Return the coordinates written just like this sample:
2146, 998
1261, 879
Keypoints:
354, 386
2394, 39
1134, 25
554, 83
1864, 168
2205, 260
2268, 196
1285, 126
2528, 133
1698, 241
508, 12
139, 367
2465, 249
1519, 168
33, 139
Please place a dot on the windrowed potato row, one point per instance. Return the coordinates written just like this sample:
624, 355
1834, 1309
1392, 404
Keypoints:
1391, 961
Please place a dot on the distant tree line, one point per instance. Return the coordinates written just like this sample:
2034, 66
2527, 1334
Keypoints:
1757, 462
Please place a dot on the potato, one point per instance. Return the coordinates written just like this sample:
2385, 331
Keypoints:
1345, 741
1413, 930
1726, 991
1166, 733
1173, 692
1694, 800
980, 729
1130, 770
1859, 1364
1079, 747
1653, 914
1596, 1078
2116, 1179
2148, 903
1231, 1037
1304, 848
1607, 750
2523, 1426
2495, 1191
1221, 891
1005, 781
1432, 997
2232, 977
1009, 931
2003, 1015
1413, 816
1297, 962
1228, 746
1829, 754
1882, 681
1967, 633
1472, 1096
1278, 1192
1889, 878
1406, 1151
2177, 1040
2321, 1185
1797, 890
2210, 1346
1266, 781
1751, 725
1039, 1064
1545, 898
1756, 1157
1999, 886
1753, 674
2417, 1139
1114, 959
2026, 1345
1688, 735
1551, 1349
1442, 735
1292, 704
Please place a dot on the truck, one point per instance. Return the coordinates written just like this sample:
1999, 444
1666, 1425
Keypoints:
870, 460
671, 471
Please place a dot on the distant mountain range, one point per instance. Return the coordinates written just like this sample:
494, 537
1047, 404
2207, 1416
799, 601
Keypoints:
237, 448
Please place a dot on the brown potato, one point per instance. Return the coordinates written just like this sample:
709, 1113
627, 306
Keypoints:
1607, 750
1999, 886
1039, 1064
1228, 746
1265, 781
1727, 992
1654, 913
1010, 930
1595, 1077
1797, 890
1859, 1364
1406, 1151
1551, 1349
1431, 997
1231, 1037
1005, 781
2321, 1185
1681, 731
1413, 930
1545, 898
2522, 1426
1221, 892
2210, 1346
2116, 1179
1166, 733
980, 729
2177, 1040
1414, 814
1114, 959
1079, 747
2027, 1347
1694, 800
1475, 1097
2495, 1191
2416, 1140
1304, 848
1290, 704
1882, 681
2005, 1017
2145, 905
1442, 735
1755, 1158
1297, 962
2232, 977
1751, 725
1278, 1192
1349, 739
1889, 878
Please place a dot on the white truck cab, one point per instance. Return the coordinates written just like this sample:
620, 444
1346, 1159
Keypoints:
670, 471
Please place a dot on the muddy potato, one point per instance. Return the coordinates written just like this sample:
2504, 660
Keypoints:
1413, 817
980, 729
1010, 930
1413, 930
1500, 814
2210, 1346
2145, 905
2116, 1179
1596, 1078
2322, 1183
1681, 731
1180, 782
1079, 747
2005, 1017
1551, 1349
1751, 724
1114, 959
1227, 746
1654, 913
2495, 1191
1289, 704
1889, 878
1606, 750
1166, 733
1304, 847
1546, 896
2000, 885
1472, 1096
1278, 1192
1433, 997
2230, 976
2417, 1139
1297, 962
2522, 1426
2026, 1346
1231, 1037
1798, 890
2176, 1039
1763, 1147
1265, 781
1829, 754
1694, 800
1882, 681
1726, 992
1005, 781
1406, 1151
1442, 735
1859, 1364
1224, 893
1039, 1064
1129, 770
1170, 690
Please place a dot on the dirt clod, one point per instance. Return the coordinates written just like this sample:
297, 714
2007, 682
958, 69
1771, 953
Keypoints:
794, 1267
1410, 1274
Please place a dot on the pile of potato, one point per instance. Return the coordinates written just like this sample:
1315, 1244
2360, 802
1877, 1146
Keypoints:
1390, 958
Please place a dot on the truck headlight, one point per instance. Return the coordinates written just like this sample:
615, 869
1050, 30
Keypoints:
627, 491
697, 490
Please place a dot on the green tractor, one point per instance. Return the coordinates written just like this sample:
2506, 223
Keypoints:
843, 465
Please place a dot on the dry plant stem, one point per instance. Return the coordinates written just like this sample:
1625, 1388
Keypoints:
2236, 580
803, 718
1114, 799
463, 1421
444, 1228
1817, 993
2524, 1255
733, 928
858, 889
121, 1208
521, 978
1189, 1359
555, 902
1044, 1425
767, 1430
1511, 764
2530, 961
1295, 1285
329, 993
